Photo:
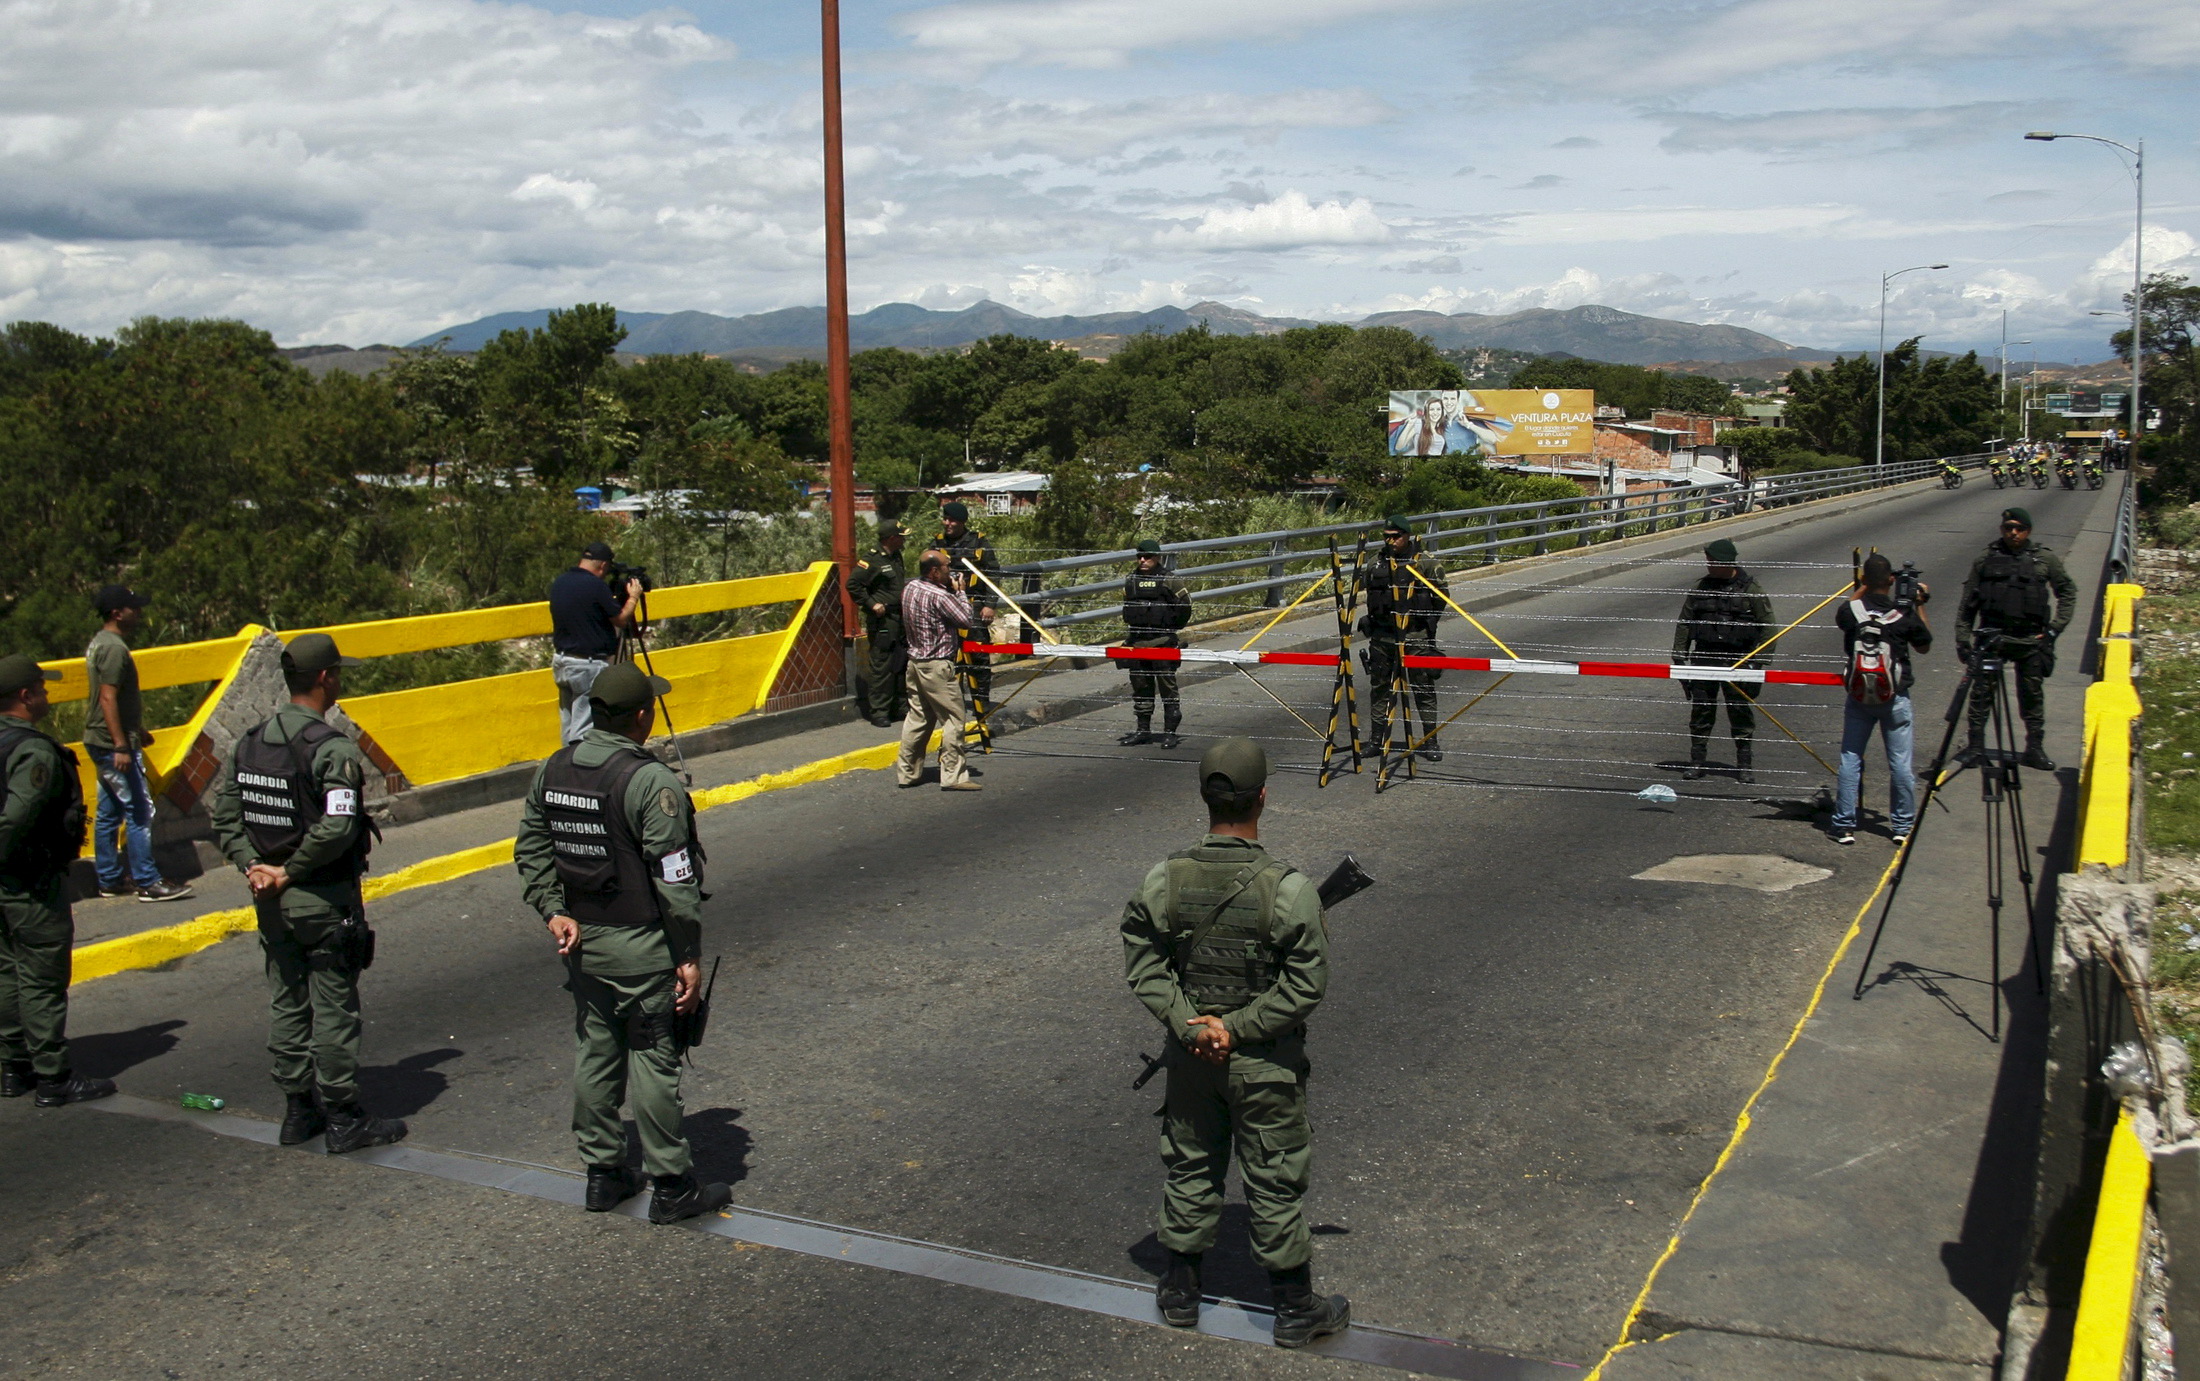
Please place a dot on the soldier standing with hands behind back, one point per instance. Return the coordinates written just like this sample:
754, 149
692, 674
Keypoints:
288, 815
1227, 948
2006, 601
1725, 618
875, 586
1155, 606
608, 855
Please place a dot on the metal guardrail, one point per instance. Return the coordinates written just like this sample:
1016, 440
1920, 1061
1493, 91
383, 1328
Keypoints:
2123, 539
1456, 537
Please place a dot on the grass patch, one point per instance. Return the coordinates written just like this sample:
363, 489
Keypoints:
2170, 743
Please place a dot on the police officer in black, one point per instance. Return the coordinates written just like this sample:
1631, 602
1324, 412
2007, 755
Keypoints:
289, 815
1402, 612
41, 832
875, 586
963, 543
1727, 617
2017, 601
1155, 606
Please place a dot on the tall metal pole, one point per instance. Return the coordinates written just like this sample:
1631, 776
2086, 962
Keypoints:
842, 463
1879, 446
2138, 253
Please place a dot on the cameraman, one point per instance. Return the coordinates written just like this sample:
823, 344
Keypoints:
1880, 627
586, 615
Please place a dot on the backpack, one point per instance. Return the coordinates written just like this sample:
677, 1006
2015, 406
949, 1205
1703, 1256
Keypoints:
1873, 677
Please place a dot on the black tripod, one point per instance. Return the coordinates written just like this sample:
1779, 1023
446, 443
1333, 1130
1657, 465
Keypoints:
634, 647
2001, 788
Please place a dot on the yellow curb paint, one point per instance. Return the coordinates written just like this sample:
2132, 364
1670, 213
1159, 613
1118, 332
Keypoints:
165, 944
2100, 1340
1742, 1123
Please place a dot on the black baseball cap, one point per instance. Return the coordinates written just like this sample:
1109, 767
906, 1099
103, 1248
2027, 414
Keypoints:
596, 551
623, 688
314, 652
109, 598
18, 672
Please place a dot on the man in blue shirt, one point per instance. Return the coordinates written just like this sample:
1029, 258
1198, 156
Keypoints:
585, 619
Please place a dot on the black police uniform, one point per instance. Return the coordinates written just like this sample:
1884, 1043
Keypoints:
1155, 606
877, 579
1401, 618
973, 547
1722, 621
2007, 599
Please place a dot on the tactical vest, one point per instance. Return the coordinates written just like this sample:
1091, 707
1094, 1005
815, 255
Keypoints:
1220, 914
1395, 590
1722, 620
282, 800
599, 860
971, 546
1150, 604
2012, 591
51, 841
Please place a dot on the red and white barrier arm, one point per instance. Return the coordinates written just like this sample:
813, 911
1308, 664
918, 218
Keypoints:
1656, 671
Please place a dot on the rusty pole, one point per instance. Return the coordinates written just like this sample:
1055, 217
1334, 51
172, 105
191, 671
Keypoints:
842, 470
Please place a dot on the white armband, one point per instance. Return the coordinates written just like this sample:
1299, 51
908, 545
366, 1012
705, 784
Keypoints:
342, 800
676, 867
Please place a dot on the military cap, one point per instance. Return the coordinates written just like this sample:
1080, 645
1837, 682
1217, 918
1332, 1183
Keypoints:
19, 672
955, 512
623, 688
1234, 769
1396, 522
596, 551
112, 597
2019, 515
1721, 551
890, 528
314, 652
1147, 546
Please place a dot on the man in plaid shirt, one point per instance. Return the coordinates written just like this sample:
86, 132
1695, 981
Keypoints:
933, 613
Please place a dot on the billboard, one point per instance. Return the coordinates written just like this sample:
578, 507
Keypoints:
1493, 422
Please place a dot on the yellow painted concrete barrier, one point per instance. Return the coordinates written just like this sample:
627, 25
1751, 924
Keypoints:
2100, 1341
2111, 706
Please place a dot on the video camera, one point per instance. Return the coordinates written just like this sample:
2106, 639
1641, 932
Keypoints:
617, 573
1908, 591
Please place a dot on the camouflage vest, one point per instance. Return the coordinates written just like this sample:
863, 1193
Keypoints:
1220, 910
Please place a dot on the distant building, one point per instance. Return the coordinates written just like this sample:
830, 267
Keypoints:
1001, 492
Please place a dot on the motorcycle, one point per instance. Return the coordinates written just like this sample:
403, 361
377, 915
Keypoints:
2066, 470
2038, 470
1950, 476
2094, 479
1998, 467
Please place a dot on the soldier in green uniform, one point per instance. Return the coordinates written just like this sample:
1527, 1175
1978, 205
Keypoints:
963, 543
875, 586
1401, 618
288, 815
41, 832
1726, 617
608, 855
1155, 606
1227, 948
2006, 603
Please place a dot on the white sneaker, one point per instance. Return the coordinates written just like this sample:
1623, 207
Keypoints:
1844, 837
1900, 840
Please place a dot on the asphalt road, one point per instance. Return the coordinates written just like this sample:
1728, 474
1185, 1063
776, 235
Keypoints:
1528, 1060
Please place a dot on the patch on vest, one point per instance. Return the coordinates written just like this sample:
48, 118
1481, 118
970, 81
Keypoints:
668, 801
41, 774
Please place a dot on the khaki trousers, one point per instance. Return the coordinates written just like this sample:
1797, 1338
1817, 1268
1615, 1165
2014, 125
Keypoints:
935, 701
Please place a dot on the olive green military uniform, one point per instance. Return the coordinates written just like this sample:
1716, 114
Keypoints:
2008, 591
36, 929
1401, 619
622, 979
877, 579
1155, 605
976, 548
1262, 965
1721, 622
313, 989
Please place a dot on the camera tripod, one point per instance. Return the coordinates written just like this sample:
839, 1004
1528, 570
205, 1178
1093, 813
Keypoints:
2001, 788
634, 647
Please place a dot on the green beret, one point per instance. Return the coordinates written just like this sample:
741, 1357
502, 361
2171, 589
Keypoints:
1147, 546
955, 512
2019, 515
1396, 522
1721, 552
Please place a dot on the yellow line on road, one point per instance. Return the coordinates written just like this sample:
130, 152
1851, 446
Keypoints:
1742, 1124
166, 944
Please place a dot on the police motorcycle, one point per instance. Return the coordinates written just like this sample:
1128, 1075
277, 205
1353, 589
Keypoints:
2094, 476
2066, 469
2036, 467
1999, 465
1950, 476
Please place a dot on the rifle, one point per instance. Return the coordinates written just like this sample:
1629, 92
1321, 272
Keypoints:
1345, 881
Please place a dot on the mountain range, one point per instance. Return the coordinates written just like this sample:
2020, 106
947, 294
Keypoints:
1601, 333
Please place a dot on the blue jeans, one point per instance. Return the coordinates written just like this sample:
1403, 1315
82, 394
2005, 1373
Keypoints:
1893, 722
125, 805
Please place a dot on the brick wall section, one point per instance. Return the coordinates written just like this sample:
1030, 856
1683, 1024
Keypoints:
1702, 427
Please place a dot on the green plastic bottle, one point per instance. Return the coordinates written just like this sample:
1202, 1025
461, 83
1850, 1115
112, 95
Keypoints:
204, 1102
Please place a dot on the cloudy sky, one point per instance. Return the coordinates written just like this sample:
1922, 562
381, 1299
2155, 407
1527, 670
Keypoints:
370, 170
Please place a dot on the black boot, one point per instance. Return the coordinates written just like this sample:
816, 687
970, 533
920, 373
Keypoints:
1168, 730
1975, 750
1142, 734
1431, 750
611, 1185
1744, 751
17, 1078
1179, 1291
2035, 756
1697, 749
302, 1119
353, 1128
680, 1196
1301, 1315
71, 1087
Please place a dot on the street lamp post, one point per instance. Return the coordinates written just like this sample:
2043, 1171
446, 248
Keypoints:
1879, 446
2138, 172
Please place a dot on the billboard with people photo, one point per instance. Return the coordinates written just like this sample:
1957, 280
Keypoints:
1493, 422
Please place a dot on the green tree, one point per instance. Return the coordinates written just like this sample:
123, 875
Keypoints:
539, 396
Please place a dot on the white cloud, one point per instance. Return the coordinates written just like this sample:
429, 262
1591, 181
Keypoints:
1859, 128
953, 124
1105, 33
1287, 222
